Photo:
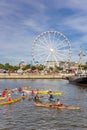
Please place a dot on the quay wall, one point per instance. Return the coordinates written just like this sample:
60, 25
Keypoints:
33, 76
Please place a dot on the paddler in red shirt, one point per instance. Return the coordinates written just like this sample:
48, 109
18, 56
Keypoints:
10, 99
32, 92
4, 93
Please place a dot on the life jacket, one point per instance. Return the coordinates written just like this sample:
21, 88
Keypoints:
3, 94
10, 99
32, 92
9, 91
19, 90
59, 103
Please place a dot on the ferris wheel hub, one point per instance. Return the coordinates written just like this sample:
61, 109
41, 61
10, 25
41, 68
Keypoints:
51, 50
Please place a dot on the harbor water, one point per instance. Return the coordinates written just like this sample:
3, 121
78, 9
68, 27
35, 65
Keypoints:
25, 115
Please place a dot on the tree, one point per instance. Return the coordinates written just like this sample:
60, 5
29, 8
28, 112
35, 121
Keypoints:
1, 66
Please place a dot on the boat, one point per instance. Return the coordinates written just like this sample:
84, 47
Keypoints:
30, 91
78, 79
42, 92
47, 92
23, 97
26, 87
56, 106
10, 102
3, 98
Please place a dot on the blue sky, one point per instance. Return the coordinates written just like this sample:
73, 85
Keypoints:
21, 21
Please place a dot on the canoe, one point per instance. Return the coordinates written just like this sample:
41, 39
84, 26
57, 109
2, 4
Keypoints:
56, 106
46, 92
10, 102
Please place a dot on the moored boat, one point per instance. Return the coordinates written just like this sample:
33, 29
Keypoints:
79, 79
56, 106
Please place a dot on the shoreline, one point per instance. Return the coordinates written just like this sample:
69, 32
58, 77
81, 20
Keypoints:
34, 76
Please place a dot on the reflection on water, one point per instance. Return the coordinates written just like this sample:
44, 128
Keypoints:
26, 116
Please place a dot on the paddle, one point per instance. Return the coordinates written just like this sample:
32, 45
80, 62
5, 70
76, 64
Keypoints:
32, 98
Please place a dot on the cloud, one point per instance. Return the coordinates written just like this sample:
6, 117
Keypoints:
77, 22
74, 5
21, 21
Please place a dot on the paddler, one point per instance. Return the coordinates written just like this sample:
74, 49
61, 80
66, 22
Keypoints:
10, 98
20, 90
58, 103
32, 92
9, 91
36, 98
23, 93
51, 97
4, 93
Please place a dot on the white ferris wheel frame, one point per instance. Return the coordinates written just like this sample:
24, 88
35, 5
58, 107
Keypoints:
51, 47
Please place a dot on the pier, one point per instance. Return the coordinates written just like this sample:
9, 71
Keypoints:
34, 76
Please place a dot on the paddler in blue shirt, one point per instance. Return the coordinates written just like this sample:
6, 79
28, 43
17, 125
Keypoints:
51, 97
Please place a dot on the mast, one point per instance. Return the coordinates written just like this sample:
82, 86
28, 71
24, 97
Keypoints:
80, 59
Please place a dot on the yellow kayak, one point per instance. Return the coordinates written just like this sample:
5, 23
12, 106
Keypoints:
42, 92
56, 106
46, 92
2, 98
10, 102
26, 87
23, 97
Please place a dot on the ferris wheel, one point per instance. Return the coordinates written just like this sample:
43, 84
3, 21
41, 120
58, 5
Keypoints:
51, 47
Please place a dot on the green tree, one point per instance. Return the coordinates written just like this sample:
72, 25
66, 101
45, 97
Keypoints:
1, 66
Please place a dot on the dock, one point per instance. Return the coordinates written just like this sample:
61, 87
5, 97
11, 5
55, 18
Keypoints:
33, 76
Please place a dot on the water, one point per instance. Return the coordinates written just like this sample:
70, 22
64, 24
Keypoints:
26, 116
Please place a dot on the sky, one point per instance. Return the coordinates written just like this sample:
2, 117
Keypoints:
21, 21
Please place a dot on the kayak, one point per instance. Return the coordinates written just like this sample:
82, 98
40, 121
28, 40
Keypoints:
30, 91
10, 102
42, 92
47, 92
2, 98
23, 97
26, 87
56, 106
